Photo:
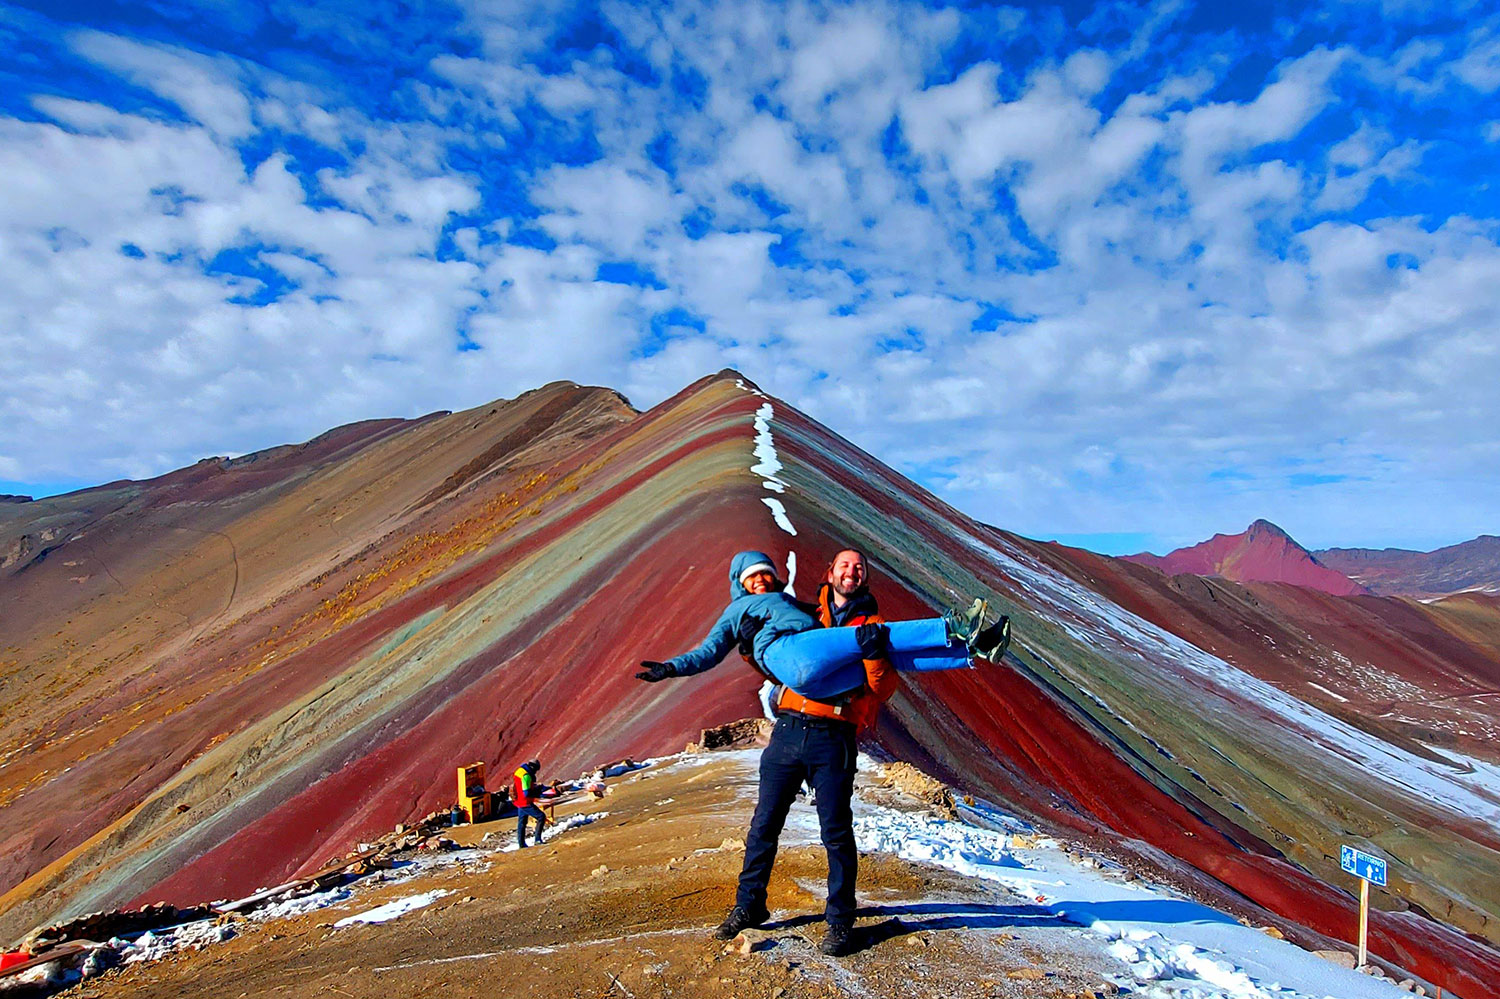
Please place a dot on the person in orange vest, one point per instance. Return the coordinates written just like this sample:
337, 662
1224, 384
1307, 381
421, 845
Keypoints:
803, 726
524, 792
815, 741
814, 736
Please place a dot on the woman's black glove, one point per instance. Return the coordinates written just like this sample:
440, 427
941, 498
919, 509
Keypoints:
655, 671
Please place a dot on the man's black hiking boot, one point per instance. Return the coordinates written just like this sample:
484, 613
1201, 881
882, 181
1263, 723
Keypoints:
738, 919
992, 642
838, 941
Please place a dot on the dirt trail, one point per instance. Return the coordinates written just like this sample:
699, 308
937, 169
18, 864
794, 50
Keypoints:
625, 906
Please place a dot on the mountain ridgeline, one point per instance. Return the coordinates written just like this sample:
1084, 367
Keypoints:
1264, 553
220, 677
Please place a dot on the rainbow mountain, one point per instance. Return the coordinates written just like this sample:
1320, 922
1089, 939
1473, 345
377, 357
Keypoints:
221, 677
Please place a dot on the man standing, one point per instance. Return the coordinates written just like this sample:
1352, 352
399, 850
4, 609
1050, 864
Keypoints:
523, 793
813, 741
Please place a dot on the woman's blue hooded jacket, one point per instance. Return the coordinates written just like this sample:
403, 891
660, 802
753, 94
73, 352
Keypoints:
756, 619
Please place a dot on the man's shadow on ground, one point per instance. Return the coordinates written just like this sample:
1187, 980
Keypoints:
903, 919
918, 917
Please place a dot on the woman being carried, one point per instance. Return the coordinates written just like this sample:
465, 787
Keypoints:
784, 638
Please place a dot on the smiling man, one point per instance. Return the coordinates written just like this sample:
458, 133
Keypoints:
815, 741
838, 660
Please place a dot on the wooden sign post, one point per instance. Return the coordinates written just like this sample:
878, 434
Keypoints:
1368, 869
1364, 921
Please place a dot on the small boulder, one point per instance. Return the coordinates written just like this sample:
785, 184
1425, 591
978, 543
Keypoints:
750, 941
1342, 958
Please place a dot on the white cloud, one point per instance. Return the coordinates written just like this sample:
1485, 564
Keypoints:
1480, 65
208, 91
1082, 302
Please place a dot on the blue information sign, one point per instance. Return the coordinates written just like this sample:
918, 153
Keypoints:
1362, 865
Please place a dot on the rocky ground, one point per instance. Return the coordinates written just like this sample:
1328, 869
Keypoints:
625, 906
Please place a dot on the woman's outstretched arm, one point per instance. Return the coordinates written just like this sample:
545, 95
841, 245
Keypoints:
709, 653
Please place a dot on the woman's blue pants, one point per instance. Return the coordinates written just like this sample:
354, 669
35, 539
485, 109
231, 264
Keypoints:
825, 662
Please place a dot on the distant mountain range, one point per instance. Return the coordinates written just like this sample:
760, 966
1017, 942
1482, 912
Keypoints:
1472, 565
1264, 553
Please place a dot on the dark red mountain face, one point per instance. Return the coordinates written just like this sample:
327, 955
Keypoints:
1263, 553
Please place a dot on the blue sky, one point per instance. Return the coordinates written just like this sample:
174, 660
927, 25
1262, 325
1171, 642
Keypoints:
1122, 274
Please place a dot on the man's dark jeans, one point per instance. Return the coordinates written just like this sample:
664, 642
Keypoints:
822, 752
521, 815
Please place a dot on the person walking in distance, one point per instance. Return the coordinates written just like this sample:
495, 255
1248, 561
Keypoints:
524, 792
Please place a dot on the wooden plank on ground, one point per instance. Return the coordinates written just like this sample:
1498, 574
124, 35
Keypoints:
334, 868
51, 954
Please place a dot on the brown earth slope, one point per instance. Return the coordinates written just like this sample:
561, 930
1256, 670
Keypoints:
625, 907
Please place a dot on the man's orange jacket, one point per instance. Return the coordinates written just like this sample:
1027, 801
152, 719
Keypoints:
881, 678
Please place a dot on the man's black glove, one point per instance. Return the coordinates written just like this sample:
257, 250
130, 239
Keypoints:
655, 671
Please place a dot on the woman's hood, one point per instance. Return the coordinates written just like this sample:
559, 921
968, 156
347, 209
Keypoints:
737, 567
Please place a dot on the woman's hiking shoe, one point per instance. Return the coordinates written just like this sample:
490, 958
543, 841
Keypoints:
964, 625
740, 918
838, 941
992, 642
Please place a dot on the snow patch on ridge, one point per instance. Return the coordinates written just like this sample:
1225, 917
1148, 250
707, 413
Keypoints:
768, 466
778, 514
767, 463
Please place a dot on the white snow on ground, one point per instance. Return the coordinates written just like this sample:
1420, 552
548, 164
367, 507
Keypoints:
1336, 697
1482, 770
392, 910
1095, 621
553, 830
297, 905
621, 769
1168, 946
156, 944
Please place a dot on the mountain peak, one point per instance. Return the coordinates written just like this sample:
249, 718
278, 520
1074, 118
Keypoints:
1263, 553
1261, 526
